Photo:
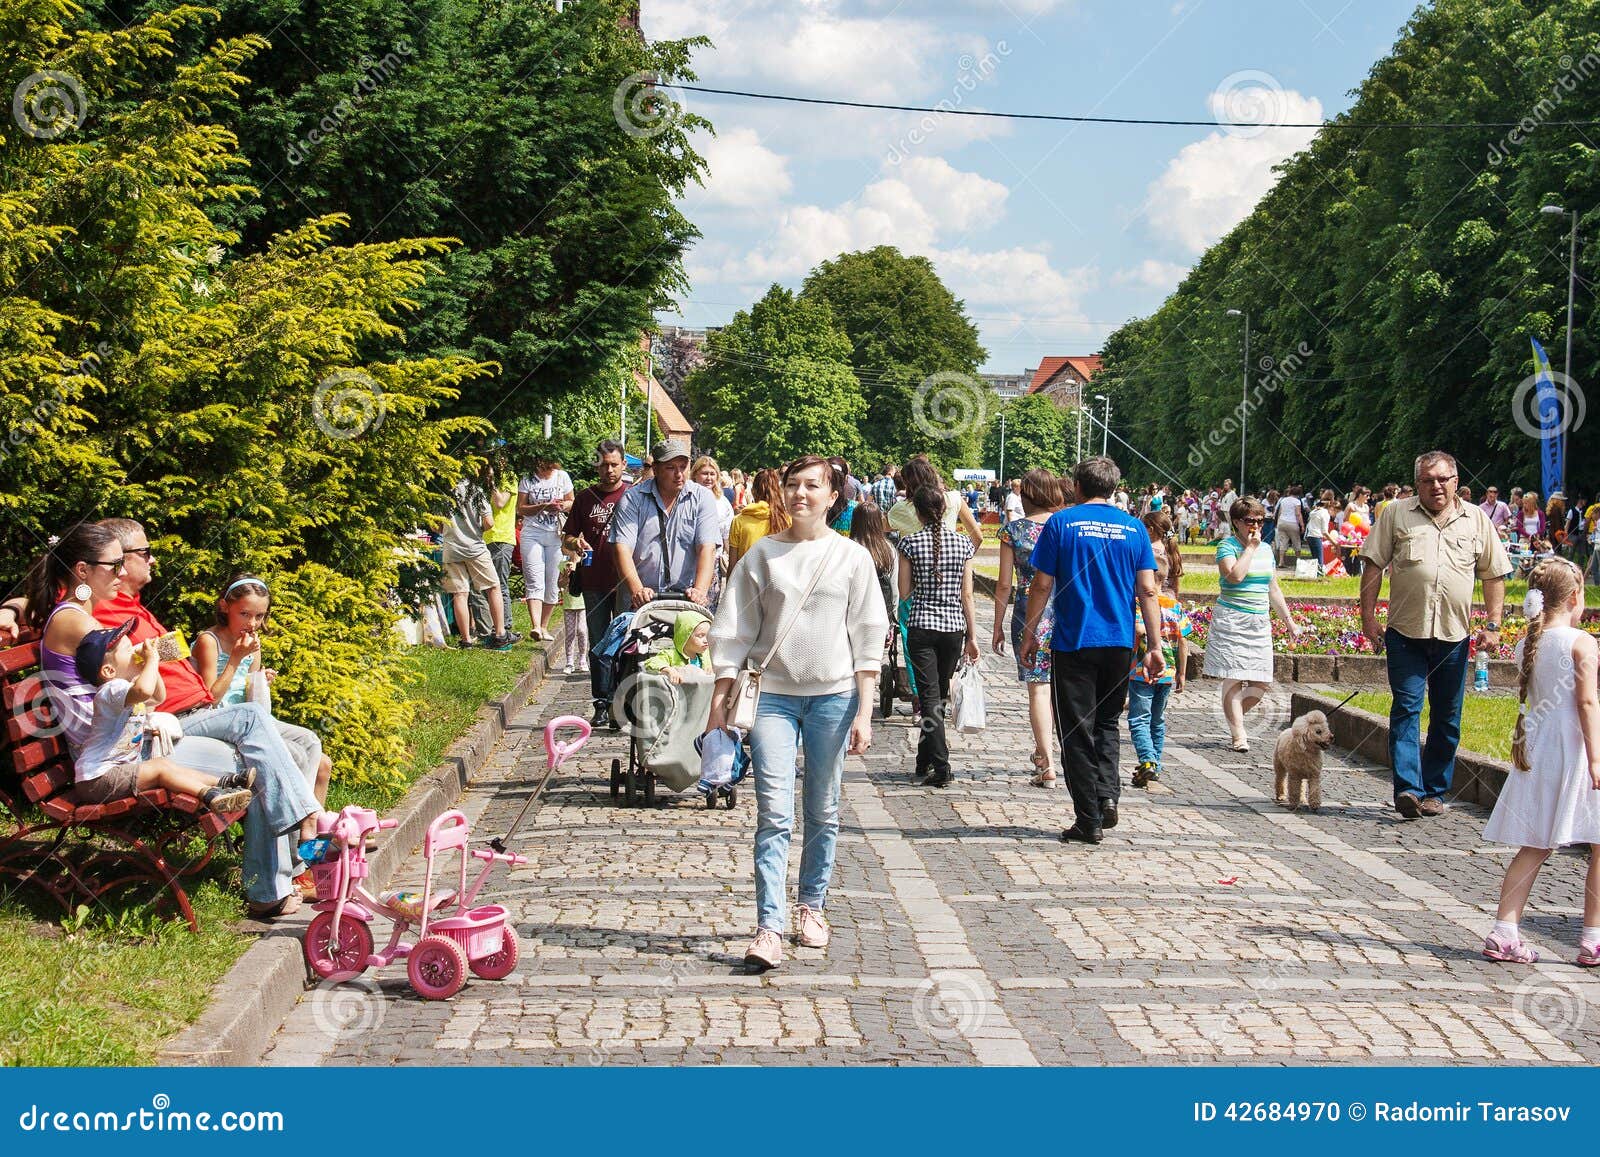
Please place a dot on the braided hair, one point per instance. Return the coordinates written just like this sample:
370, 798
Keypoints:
1556, 580
928, 502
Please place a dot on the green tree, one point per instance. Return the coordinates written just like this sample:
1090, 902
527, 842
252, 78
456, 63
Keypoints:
227, 398
1036, 436
914, 350
777, 383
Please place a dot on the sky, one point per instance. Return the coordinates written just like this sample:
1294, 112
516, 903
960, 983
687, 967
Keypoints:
1052, 234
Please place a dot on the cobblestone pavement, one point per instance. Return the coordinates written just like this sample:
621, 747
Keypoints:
1211, 926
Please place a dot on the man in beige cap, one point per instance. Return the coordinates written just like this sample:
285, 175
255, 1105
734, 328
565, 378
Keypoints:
1434, 545
665, 533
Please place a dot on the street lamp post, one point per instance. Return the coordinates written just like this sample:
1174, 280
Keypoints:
1105, 431
1572, 284
1107, 401
1002, 478
1077, 446
1244, 394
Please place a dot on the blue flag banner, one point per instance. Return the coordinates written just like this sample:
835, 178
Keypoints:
1547, 403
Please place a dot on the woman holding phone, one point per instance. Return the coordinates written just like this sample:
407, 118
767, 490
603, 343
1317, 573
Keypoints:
803, 608
1239, 645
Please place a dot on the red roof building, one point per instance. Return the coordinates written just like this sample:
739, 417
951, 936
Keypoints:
1063, 379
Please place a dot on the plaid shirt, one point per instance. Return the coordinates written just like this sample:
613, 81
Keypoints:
936, 595
883, 493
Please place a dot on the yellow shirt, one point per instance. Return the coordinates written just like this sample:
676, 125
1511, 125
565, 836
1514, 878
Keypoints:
1432, 563
505, 519
748, 528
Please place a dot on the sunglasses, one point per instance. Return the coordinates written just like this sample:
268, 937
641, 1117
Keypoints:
142, 551
114, 564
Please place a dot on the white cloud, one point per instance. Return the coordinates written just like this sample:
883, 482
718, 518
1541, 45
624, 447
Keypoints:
1152, 274
1212, 185
1017, 285
742, 172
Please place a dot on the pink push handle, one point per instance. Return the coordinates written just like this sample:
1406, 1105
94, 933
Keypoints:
385, 824
557, 751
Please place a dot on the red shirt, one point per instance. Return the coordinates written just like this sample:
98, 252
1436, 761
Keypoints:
185, 689
590, 520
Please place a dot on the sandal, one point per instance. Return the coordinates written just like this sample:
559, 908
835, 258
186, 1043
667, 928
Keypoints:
1495, 948
1589, 957
1045, 776
271, 910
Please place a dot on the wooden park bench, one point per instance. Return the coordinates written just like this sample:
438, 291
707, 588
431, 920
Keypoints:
79, 853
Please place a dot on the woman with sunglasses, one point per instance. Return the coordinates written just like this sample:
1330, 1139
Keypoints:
1239, 644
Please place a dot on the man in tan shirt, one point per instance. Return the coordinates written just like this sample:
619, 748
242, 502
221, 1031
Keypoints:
1434, 546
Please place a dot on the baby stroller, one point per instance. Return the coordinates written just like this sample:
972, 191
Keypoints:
897, 680
662, 718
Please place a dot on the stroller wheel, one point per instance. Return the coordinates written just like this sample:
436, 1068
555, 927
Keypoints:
616, 778
711, 800
649, 789
733, 797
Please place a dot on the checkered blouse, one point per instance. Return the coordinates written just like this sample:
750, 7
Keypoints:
936, 595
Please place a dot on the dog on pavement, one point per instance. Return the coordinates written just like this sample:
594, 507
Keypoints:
1297, 761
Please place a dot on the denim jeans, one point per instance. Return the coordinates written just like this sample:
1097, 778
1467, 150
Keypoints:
282, 791
1439, 670
1315, 545
783, 722
1147, 719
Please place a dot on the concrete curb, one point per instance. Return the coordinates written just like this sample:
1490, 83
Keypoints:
259, 991
1351, 670
1478, 778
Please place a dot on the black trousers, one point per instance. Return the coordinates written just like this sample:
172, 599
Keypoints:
933, 656
599, 608
1090, 688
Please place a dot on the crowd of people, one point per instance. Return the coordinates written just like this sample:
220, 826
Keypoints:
810, 575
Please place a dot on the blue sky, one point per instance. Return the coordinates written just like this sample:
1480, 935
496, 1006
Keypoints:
1052, 234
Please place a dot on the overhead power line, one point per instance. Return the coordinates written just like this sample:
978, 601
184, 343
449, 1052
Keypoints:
1094, 120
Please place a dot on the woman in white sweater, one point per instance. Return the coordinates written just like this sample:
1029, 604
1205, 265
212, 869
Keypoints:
816, 595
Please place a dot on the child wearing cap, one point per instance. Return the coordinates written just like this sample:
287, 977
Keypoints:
108, 766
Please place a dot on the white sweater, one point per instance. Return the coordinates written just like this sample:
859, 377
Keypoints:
840, 630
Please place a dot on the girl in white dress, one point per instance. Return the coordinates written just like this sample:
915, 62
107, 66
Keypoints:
1552, 797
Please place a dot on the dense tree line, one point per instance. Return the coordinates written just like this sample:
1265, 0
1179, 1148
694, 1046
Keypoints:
1393, 276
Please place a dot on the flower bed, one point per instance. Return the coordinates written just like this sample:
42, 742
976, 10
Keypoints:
1336, 630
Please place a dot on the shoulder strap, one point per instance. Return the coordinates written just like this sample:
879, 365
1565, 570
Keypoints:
783, 631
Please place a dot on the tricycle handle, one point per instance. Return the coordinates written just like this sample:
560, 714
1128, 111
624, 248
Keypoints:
557, 751
388, 824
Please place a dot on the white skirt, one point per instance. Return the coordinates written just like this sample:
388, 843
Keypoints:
1239, 645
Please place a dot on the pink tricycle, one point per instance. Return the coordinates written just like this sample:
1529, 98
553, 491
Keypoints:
338, 942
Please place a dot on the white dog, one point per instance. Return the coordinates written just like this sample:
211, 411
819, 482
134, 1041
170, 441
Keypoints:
1297, 761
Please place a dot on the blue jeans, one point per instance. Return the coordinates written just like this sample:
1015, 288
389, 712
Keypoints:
783, 722
282, 791
1439, 669
1316, 551
1147, 719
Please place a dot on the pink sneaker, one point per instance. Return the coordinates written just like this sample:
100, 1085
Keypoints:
1519, 953
1589, 955
812, 929
765, 951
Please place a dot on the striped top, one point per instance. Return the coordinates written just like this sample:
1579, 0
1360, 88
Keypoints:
1251, 594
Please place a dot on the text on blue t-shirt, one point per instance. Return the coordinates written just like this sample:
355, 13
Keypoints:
1094, 553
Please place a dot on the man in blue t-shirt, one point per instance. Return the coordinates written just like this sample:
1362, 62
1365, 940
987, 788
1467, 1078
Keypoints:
1093, 560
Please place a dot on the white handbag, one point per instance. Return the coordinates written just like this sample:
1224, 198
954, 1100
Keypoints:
746, 694
967, 702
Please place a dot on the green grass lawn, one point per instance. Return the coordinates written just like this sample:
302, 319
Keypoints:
107, 987
1486, 720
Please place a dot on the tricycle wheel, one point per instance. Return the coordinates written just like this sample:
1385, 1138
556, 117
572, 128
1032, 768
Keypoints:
616, 777
733, 798
649, 789
343, 959
499, 965
437, 967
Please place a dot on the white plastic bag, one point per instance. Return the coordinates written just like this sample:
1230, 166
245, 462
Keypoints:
966, 699
1305, 568
718, 751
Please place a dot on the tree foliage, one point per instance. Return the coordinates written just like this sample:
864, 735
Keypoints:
1036, 436
153, 366
1393, 277
777, 383
914, 351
